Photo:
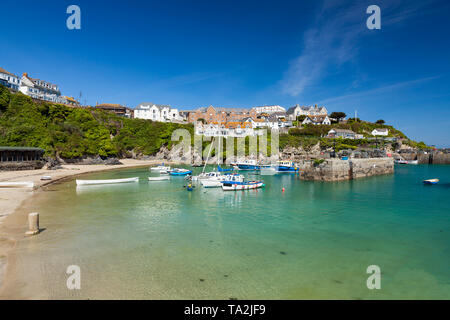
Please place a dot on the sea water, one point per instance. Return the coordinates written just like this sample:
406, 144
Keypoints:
315, 240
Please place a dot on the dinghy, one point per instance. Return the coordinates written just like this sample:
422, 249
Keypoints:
234, 186
431, 181
158, 178
179, 172
109, 181
160, 168
46, 178
22, 184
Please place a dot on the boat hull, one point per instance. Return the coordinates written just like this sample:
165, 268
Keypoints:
431, 181
110, 181
180, 173
226, 186
158, 178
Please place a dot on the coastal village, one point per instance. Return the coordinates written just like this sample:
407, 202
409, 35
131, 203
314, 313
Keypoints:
209, 121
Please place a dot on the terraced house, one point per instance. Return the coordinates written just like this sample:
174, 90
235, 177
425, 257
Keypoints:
221, 115
40, 89
157, 112
310, 111
9, 80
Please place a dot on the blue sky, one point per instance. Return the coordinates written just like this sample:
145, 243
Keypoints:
244, 53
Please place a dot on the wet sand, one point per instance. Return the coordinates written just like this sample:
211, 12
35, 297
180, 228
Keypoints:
13, 226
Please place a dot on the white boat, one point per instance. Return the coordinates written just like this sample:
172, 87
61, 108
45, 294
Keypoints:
206, 176
234, 186
158, 178
21, 184
46, 178
109, 181
220, 179
161, 168
413, 161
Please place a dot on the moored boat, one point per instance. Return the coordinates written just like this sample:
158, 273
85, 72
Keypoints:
108, 181
286, 166
431, 181
17, 184
160, 168
159, 178
234, 186
248, 165
179, 172
220, 179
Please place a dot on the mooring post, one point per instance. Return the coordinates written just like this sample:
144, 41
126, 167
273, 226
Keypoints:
33, 224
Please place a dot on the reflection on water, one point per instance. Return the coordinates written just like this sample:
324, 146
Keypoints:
314, 240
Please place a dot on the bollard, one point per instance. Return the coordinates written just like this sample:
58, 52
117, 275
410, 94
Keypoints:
33, 224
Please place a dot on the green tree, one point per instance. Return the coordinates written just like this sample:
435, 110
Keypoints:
380, 121
338, 115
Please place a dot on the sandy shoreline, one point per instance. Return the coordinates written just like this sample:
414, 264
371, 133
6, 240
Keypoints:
13, 226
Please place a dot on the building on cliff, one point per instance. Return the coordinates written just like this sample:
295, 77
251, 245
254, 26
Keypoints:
40, 89
157, 112
9, 80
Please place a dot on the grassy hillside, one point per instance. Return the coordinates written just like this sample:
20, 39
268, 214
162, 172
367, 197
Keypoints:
74, 132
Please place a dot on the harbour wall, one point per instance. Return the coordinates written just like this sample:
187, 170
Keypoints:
340, 170
429, 158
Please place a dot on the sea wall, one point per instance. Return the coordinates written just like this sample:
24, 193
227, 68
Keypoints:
428, 158
339, 170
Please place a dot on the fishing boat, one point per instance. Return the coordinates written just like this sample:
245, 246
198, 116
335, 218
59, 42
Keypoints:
206, 176
165, 178
286, 166
248, 165
21, 184
161, 168
219, 180
108, 181
179, 172
234, 186
431, 181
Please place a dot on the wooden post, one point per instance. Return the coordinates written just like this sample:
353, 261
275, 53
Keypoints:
33, 224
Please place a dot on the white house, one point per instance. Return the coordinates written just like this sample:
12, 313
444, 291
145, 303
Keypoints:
380, 132
298, 110
156, 112
269, 109
9, 80
317, 120
40, 89
341, 133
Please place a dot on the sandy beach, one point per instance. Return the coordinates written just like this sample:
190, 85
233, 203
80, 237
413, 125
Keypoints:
13, 226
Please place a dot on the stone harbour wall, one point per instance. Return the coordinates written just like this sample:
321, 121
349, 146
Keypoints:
339, 170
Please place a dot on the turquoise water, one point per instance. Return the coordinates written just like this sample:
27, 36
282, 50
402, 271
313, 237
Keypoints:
155, 240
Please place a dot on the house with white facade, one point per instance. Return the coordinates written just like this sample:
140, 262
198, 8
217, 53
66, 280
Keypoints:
341, 133
317, 120
380, 132
269, 109
157, 112
40, 89
298, 110
9, 80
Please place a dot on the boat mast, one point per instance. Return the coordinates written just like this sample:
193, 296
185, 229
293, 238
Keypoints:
206, 162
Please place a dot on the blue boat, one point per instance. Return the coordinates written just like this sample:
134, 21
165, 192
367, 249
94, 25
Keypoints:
179, 172
286, 166
248, 165
431, 181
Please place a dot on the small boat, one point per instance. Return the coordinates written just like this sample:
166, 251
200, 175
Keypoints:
179, 172
21, 184
413, 161
159, 178
431, 181
189, 187
286, 166
248, 165
109, 181
46, 178
234, 186
160, 168
401, 161
219, 180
